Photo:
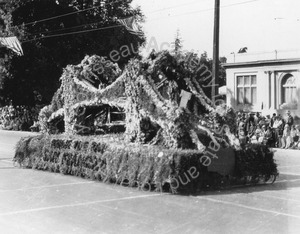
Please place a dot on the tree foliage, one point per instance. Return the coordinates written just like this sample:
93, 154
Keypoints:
52, 44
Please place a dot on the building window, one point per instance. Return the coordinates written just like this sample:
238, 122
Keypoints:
246, 90
288, 93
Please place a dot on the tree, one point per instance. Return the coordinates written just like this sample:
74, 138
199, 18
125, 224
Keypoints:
51, 44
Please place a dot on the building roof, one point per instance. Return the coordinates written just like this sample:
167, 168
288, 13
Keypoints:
261, 63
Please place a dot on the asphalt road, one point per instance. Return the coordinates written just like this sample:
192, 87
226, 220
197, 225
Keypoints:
42, 202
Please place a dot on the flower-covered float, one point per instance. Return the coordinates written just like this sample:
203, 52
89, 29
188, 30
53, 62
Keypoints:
150, 125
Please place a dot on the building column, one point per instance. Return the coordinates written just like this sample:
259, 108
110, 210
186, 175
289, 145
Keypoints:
273, 91
270, 90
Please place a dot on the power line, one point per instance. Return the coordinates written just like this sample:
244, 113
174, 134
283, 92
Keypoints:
172, 7
79, 11
210, 9
59, 16
239, 3
98, 29
71, 13
63, 29
72, 33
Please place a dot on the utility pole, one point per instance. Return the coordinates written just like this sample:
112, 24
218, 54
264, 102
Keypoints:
215, 69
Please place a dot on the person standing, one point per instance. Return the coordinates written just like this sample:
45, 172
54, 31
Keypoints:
241, 134
290, 119
239, 121
268, 121
261, 132
293, 136
278, 126
273, 119
249, 122
251, 132
286, 141
269, 139
262, 122
257, 118
297, 139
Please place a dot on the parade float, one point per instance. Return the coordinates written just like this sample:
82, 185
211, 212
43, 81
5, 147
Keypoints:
149, 126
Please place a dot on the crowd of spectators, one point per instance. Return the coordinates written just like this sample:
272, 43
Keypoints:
19, 118
276, 131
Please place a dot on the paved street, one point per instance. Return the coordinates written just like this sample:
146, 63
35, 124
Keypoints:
42, 202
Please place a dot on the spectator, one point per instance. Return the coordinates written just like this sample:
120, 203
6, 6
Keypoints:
17, 118
242, 133
257, 118
297, 135
293, 137
272, 131
269, 137
297, 143
239, 120
261, 134
268, 121
250, 122
251, 132
262, 121
277, 126
290, 119
286, 137
273, 119
282, 119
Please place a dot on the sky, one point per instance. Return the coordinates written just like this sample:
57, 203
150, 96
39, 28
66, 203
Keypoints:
259, 25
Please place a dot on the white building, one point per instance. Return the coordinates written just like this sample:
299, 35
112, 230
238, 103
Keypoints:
264, 85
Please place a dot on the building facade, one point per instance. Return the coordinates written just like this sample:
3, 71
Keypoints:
266, 86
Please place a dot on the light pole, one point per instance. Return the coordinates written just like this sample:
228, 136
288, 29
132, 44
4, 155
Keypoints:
215, 69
